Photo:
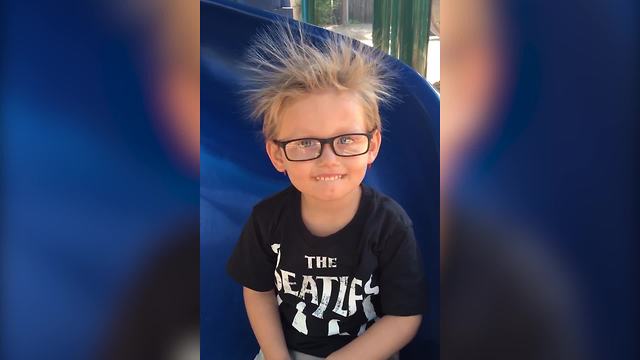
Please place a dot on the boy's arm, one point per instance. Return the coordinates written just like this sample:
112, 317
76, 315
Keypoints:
386, 337
262, 309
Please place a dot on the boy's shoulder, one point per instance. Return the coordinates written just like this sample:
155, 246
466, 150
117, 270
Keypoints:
385, 210
275, 204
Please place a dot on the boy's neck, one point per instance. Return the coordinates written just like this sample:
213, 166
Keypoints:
324, 218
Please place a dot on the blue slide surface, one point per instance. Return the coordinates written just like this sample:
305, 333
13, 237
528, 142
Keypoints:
236, 174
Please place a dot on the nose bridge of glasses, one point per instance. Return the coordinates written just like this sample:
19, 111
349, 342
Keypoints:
327, 143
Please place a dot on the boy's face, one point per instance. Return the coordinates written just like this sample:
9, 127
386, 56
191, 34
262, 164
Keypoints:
322, 115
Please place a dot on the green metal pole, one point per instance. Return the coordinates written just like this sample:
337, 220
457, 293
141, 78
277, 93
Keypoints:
395, 24
311, 11
421, 17
425, 33
305, 14
406, 35
386, 6
376, 27
381, 24
401, 29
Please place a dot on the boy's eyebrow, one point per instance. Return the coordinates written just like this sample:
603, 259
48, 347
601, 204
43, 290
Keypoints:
306, 135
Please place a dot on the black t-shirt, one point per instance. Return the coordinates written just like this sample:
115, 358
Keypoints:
331, 289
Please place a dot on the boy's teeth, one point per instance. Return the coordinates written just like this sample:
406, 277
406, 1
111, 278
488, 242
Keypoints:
328, 178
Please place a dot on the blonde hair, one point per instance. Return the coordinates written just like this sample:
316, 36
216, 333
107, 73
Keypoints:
282, 65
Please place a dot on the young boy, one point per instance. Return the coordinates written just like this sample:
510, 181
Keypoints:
330, 267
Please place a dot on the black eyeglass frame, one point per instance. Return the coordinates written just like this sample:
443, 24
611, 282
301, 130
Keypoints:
283, 144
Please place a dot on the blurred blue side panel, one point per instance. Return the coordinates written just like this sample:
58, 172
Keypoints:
87, 187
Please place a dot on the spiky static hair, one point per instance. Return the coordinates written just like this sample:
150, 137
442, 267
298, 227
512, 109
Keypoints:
283, 64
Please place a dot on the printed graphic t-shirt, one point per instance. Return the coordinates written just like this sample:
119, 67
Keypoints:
331, 289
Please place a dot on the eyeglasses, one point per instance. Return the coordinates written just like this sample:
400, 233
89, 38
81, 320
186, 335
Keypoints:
345, 145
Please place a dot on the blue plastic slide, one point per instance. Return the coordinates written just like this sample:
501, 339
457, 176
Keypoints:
236, 174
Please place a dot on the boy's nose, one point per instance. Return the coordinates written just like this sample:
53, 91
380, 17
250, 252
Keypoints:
327, 153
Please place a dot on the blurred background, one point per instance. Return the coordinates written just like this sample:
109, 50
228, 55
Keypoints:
539, 155
100, 159
406, 30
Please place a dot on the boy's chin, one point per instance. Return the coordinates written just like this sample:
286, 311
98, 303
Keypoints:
334, 191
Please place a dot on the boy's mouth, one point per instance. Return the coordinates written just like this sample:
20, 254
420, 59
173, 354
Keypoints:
329, 177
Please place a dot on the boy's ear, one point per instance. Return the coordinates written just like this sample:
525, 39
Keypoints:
374, 146
275, 155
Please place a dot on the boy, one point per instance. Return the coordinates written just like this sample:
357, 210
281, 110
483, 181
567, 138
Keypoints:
330, 267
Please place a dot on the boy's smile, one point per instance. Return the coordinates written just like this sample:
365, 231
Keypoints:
324, 114
330, 177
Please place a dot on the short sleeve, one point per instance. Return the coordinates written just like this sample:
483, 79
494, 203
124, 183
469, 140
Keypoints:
402, 284
252, 262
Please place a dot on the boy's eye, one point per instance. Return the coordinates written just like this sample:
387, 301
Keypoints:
305, 143
345, 140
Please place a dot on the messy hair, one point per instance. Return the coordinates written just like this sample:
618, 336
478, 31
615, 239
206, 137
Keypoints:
282, 64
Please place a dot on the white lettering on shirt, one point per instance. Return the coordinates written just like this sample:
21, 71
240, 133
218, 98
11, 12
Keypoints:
322, 262
353, 297
341, 293
276, 249
326, 295
278, 280
367, 306
346, 286
309, 261
286, 283
371, 290
309, 287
